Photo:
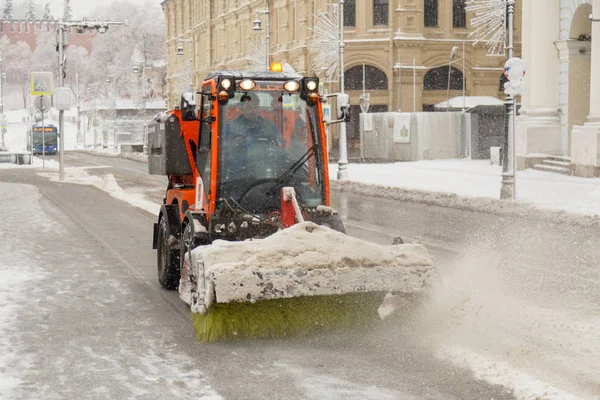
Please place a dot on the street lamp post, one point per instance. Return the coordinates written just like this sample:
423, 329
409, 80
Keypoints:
343, 159
78, 121
256, 27
2, 117
1, 85
181, 53
452, 55
507, 190
112, 89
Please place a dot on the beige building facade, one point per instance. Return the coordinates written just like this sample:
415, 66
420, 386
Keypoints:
560, 113
404, 46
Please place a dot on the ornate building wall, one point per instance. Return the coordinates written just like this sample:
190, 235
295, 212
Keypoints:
223, 39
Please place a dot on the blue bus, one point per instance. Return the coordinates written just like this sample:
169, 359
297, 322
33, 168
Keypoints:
50, 139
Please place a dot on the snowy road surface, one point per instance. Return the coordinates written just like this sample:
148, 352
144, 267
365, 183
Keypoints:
85, 318
523, 316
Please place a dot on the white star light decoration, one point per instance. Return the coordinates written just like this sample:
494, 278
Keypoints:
489, 24
324, 45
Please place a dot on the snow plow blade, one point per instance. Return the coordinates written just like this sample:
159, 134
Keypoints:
306, 261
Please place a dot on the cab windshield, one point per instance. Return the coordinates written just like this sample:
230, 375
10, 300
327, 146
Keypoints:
270, 139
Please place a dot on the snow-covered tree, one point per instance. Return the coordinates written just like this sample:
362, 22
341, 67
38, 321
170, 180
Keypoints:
67, 12
8, 10
143, 38
30, 14
16, 62
47, 14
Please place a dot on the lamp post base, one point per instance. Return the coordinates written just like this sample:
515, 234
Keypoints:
507, 190
342, 170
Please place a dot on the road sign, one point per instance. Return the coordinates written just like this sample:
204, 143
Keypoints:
42, 103
326, 113
514, 69
42, 83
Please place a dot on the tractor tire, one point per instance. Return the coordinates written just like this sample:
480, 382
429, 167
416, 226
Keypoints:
167, 259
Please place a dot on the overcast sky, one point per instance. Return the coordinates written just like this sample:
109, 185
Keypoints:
81, 8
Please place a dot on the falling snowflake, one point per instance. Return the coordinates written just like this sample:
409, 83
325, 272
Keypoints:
324, 46
489, 24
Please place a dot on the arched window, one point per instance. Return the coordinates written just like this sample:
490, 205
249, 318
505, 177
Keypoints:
437, 79
375, 79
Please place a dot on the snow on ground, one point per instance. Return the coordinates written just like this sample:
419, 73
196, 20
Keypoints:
53, 345
18, 273
107, 183
539, 351
320, 386
474, 179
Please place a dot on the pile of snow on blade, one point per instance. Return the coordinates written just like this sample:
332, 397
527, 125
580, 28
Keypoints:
306, 260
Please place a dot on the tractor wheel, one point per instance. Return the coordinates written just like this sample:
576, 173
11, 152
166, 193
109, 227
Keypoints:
168, 259
187, 244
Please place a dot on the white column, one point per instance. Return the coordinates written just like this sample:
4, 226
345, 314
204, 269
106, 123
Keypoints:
594, 78
585, 140
538, 127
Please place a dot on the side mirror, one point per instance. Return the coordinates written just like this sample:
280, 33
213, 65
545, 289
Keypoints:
343, 107
188, 107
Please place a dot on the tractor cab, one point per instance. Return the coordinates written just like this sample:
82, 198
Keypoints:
260, 132
270, 138
231, 148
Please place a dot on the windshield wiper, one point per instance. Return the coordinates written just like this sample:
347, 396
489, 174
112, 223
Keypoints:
298, 164
295, 167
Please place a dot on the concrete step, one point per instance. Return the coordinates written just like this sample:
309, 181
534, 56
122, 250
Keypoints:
558, 158
555, 163
552, 168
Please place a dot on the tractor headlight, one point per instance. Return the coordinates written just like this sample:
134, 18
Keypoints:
291, 86
309, 89
226, 83
247, 84
223, 96
226, 88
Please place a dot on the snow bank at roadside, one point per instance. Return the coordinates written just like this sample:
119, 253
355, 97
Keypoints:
107, 183
475, 185
36, 163
143, 158
449, 200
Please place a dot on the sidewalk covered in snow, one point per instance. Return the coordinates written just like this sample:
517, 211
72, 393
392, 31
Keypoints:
479, 179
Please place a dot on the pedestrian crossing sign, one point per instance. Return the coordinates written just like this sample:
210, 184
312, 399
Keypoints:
42, 84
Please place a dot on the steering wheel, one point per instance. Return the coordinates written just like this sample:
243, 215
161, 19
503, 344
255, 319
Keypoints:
266, 138
255, 184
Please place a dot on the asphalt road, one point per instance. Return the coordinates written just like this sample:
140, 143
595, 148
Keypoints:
120, 335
